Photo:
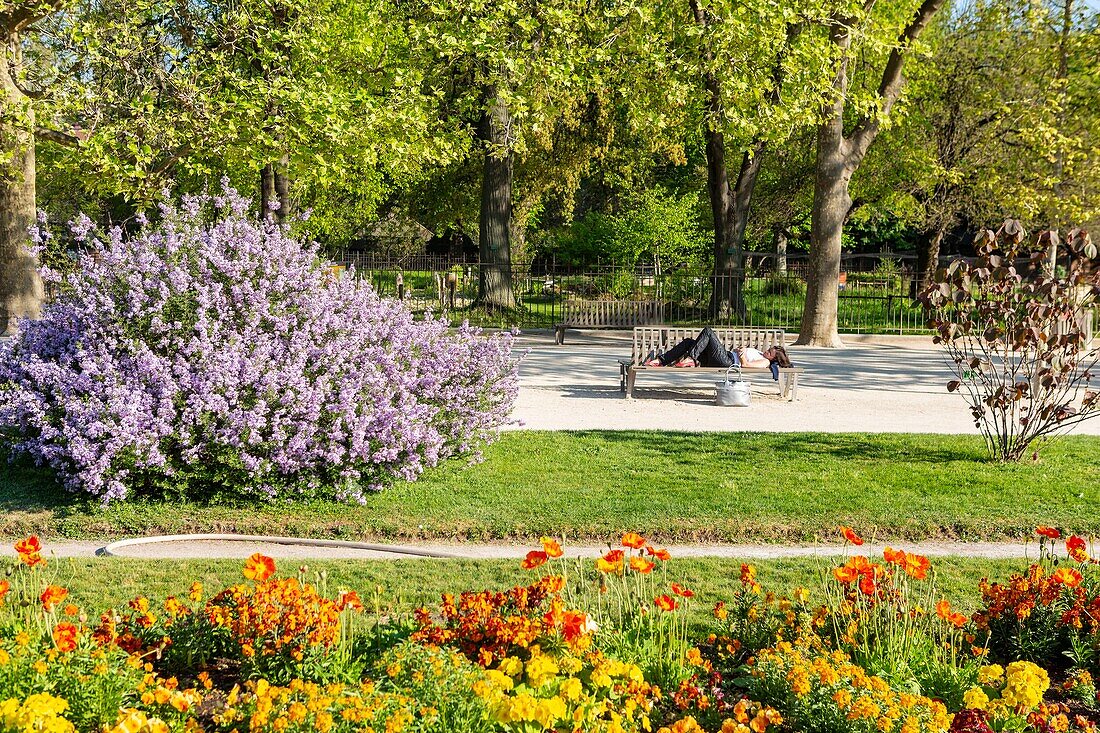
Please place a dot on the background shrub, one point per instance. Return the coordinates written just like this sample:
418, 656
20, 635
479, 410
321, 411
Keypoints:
212, 351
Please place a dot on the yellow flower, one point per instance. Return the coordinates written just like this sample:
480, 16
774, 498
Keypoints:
571, 689
511, 666
975, 698
991, 674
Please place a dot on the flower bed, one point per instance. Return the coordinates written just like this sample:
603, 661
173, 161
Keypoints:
585, 646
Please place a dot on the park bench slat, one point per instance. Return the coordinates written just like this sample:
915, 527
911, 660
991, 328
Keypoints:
607, 314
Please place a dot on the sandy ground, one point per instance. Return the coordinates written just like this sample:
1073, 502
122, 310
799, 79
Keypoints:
238, 550
883, 384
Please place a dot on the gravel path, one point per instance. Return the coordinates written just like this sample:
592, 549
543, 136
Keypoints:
230, 550
878, 385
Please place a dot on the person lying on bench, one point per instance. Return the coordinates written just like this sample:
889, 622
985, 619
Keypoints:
707, 350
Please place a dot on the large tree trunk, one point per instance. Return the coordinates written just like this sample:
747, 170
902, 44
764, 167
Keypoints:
267, 191
830, 209
282, 189
21, 291
494, 231
928, 257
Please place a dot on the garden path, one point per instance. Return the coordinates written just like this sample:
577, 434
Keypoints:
877, 384
212, 550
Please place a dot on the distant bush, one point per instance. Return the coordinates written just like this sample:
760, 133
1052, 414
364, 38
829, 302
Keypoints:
214, 352
784, 285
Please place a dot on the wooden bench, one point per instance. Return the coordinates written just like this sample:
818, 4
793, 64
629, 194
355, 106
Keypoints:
606, 314
659, 339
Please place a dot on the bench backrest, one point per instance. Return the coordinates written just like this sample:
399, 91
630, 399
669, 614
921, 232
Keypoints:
659, 339
605, 313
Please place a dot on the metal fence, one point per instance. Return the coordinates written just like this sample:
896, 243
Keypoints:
872, 298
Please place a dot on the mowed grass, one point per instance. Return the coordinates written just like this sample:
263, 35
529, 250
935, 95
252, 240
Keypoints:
674, 487
100, 583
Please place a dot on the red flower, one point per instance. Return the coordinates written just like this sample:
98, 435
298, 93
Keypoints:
867, 585
30, 550
659, 554
1076, 545
1049, 532
850, 535
612, 562
633, 540
845, 574
64, 636
575, 625
665, 602
259, 567
52, 595
349, 599
533, 560
682, 591
551, 547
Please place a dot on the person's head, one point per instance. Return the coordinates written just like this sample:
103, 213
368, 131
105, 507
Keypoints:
778, 355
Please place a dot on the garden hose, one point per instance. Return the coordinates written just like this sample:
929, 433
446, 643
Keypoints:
111, 549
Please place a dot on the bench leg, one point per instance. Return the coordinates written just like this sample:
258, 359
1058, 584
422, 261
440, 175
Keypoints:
792, 386
622, 377
631, 375
559, 335
784, 384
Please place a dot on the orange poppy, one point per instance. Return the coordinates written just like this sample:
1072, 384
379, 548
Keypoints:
551, 547
682, 591
64, 636
1068, 577
633, 540
943, 609
895, 557
53, 595
845, 574
665, 602
5, 586
612, 562
917, 566
850, 535
576, 624
867, 585
641, 565
533, 560
659, 554
30, 550
1049, 532
349, 599
258, 567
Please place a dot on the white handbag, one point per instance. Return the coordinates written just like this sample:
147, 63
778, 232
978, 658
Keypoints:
732, 394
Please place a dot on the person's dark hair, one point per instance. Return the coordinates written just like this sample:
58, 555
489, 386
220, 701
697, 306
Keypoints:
781, 357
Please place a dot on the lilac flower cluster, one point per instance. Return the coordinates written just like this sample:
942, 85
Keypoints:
198, 357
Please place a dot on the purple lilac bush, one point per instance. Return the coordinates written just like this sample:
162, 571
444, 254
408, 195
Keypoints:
200, 357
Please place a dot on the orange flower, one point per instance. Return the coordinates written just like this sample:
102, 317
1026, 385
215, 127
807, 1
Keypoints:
575, 625
612, 562
1075, 545
665, 602
1049, 532
259, 567
349, 599
1068, 577
867, 585
916, 566
659, 554
30, 550
850, 535
641, 565
748, 574
894, 557
633, 540
64, 636
53, 595
71, 610
682, 591
551, 547
845, 574
533, 560
5, 586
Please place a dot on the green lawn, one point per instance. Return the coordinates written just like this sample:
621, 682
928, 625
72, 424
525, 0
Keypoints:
99, 583
671, 486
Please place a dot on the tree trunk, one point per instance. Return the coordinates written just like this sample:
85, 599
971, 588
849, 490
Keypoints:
928, 258
830, 209
21, 291
282, 189
267, 191
494, 241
